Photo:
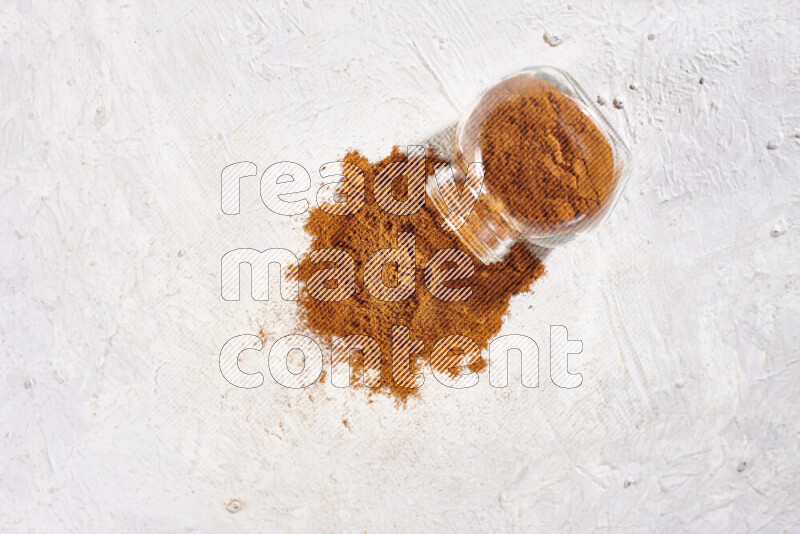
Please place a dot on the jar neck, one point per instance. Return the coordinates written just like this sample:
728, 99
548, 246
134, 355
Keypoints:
488, 233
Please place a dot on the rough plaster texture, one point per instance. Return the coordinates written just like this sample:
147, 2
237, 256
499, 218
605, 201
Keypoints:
116, 120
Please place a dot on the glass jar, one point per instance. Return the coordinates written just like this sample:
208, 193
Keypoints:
552, 165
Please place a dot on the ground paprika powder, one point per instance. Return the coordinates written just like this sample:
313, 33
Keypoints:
547, 167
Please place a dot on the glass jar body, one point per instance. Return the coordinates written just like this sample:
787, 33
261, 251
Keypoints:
552, 165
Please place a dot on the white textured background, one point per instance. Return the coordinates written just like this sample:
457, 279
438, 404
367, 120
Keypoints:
116, 120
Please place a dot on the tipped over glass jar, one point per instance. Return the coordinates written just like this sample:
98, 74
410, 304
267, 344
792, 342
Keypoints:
552, 165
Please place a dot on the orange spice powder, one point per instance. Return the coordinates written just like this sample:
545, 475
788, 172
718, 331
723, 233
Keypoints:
428, 318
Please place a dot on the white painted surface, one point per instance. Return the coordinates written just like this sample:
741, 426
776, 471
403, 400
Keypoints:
117, 119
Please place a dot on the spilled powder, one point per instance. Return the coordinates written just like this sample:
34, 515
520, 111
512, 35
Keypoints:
549, 169
429, 319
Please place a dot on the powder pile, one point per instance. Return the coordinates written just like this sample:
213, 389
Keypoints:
548, 168
428, 318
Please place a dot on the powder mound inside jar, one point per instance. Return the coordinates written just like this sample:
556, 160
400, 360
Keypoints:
544, 158
429, 319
